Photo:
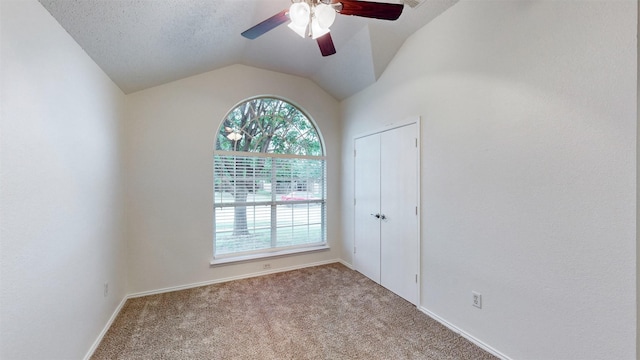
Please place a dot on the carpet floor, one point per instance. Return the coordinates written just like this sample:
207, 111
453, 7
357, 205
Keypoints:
322, 312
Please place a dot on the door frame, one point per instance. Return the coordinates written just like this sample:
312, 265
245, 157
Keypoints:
417, 120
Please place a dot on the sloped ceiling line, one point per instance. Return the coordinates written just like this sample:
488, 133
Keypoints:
141, 44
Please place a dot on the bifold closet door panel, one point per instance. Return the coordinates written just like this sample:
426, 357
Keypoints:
398, 205
367, 206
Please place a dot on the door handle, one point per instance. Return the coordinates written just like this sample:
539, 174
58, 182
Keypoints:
383, 217
376, 215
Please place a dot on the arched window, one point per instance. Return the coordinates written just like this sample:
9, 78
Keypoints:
269, 181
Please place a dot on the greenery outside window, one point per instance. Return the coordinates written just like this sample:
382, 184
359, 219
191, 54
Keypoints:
269, 181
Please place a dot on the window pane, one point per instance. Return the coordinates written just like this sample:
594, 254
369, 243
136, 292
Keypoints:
254, 190
242, 229
302, 178
241, 178
269, 180
300, 224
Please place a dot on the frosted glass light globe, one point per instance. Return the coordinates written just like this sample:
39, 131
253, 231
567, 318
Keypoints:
316, 30
300, 30
325, 15
299, 14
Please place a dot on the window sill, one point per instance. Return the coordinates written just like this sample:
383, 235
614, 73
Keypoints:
246, 258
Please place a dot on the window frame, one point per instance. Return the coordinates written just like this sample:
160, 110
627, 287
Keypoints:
274, 203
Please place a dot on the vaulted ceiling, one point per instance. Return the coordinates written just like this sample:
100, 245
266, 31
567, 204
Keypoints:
144, 43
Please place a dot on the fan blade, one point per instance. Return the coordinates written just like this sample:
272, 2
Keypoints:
370, 9
267, 25
326, 45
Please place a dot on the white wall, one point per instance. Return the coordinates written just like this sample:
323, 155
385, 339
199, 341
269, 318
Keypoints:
60, 224
528, 171
170, 135
637, 193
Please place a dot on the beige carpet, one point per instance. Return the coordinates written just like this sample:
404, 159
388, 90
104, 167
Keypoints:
323, 312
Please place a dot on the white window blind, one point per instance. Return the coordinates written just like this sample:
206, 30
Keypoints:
268, 202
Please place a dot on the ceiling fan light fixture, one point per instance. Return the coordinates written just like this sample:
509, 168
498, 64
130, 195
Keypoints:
317, 30
312, 18
325, 15
299, 13
234, 136
300, 30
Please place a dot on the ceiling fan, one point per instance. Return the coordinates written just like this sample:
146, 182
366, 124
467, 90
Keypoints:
312, 18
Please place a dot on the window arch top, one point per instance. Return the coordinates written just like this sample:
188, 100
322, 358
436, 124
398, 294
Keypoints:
269, 125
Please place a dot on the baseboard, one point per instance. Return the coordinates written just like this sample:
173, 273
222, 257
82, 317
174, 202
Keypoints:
105, 329
232, 278
464, 334
346, 264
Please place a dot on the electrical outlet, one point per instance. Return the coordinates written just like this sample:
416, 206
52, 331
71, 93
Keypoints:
476, 299
106, 289
266, 266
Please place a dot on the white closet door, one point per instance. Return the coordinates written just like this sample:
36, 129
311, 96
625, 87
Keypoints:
367, 193
398, 202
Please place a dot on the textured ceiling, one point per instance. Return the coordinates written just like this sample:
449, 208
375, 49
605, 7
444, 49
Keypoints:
144, 43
